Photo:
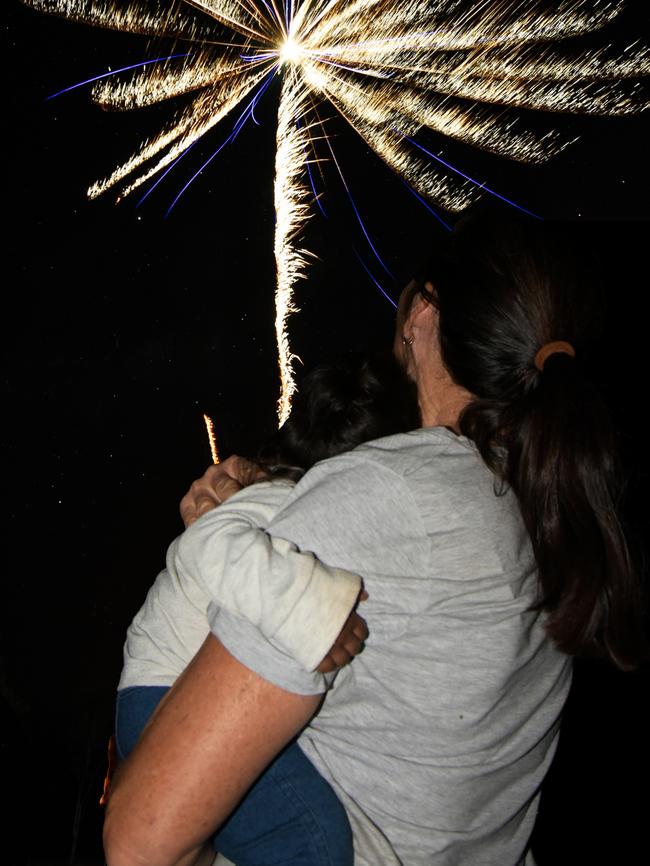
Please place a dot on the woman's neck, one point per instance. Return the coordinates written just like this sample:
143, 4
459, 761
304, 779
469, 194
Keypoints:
442, 404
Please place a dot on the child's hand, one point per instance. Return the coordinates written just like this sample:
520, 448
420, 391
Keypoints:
348, 644
217, 484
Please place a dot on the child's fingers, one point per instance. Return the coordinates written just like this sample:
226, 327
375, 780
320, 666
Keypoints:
348, 644
359, 627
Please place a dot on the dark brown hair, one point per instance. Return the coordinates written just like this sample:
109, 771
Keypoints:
340, 404
503, 290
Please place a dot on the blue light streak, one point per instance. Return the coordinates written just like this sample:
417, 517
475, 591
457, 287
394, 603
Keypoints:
115, 72
471, 179
381, 289
165, 173
356, 210
291, 12
317, 196
274, 14
262, 55
239, 124
186, 151
426, 205
252, 114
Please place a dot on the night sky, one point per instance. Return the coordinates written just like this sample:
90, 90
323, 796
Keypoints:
121, 327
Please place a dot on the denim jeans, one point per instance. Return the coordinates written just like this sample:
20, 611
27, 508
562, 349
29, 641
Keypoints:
290, 816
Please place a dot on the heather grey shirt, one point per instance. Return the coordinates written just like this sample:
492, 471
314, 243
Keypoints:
437, 737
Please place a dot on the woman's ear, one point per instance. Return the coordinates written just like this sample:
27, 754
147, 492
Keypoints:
422, 317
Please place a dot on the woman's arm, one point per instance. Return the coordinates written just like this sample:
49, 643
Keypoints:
215, 732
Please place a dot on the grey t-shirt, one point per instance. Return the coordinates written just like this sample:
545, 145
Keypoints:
437, 737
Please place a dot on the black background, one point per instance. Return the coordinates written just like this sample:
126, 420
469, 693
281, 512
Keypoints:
122, 327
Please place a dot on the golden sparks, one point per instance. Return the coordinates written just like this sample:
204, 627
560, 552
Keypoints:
390, 67
212, 439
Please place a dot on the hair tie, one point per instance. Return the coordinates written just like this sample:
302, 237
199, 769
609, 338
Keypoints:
559, 347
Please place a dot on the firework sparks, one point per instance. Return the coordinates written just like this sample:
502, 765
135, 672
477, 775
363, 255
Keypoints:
212, 439
291, 209
391, 68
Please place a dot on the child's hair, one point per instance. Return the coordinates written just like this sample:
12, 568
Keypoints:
340, 404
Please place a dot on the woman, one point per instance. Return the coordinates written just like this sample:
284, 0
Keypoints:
490, 548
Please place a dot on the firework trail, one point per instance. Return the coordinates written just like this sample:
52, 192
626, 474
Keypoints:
390, 67
212, 439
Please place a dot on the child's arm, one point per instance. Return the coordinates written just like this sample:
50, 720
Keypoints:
295, 600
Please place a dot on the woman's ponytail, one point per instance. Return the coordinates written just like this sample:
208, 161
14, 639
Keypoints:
556, 450
542, 428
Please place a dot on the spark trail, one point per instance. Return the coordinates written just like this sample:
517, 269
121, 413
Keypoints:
212, 439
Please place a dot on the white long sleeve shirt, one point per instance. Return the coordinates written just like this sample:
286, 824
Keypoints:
301, 611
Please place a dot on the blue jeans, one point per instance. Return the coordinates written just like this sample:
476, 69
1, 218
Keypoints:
290, 817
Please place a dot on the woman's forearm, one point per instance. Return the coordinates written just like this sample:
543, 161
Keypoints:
118, 855
216, 731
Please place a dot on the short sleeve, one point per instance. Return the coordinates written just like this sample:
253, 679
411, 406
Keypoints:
247, 644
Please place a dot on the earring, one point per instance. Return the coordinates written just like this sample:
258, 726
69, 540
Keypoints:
408, 341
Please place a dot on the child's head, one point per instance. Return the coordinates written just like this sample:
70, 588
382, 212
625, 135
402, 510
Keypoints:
341, 404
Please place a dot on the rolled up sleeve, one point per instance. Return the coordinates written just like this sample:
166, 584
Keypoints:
289, 595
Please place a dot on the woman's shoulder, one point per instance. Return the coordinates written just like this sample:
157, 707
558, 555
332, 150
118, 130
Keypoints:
439, 439
427, 451
405, 472
431, 472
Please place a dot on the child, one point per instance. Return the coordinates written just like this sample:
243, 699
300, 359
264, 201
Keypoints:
291, 814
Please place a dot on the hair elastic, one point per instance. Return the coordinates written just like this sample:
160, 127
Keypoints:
559, 347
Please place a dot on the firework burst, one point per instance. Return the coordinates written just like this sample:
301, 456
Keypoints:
390, 67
